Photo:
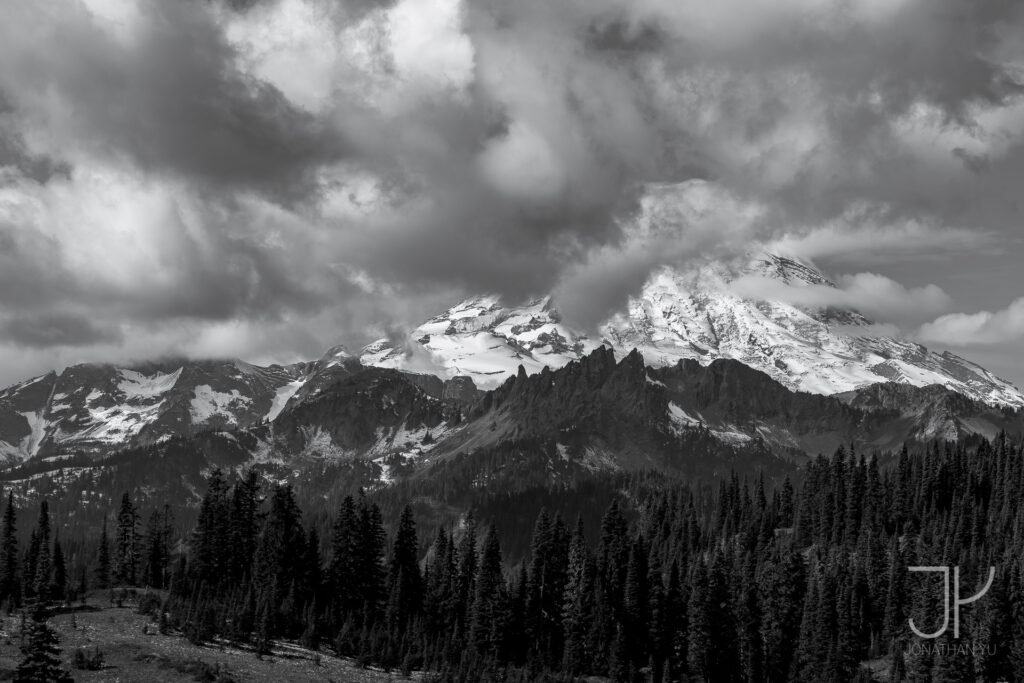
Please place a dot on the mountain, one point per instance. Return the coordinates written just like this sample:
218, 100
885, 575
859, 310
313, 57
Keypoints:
697, 315
444, 442
96, 408
680, 323
482, 339
627, 415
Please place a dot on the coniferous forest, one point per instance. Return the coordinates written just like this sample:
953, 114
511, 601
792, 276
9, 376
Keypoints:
804, 579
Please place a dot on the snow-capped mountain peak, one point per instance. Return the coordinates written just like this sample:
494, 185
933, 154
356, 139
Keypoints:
487, 341
698, 314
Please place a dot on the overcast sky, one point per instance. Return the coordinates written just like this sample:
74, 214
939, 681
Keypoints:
267, 178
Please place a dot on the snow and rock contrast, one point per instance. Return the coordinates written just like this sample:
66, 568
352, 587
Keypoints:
98, 409
482, 339
697, 315
93, 408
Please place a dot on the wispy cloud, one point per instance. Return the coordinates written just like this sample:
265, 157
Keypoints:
984, 328
879, 298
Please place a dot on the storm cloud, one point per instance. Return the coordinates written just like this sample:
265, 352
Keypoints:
266, 177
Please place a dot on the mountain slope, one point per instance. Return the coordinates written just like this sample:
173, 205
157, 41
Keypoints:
101, 408
698, 316
625, 415
593, 418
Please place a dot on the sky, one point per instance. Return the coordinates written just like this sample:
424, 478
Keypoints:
264, 179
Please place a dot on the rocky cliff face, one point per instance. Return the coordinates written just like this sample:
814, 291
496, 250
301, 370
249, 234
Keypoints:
598, 415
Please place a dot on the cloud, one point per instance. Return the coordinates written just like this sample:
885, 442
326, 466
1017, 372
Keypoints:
344, 168
861, 238
172, 98
876, 296
672, 225
983, 328
54, 329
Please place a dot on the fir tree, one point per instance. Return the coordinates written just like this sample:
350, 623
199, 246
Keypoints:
59, 585
103, 559
42, 564
370, 577
10, 589
577, 609
41, 663
126, 555
156, 548
488, 602
210, 540
405, 582
343, 571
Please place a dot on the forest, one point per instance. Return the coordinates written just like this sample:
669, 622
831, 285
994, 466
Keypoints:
748, 580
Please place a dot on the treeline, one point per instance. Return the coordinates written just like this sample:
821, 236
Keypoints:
742, 583
39, 575
804, 581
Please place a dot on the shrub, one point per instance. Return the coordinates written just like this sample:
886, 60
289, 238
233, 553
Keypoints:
88, 659
149, 604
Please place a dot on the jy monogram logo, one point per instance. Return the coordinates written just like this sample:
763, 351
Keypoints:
957, 602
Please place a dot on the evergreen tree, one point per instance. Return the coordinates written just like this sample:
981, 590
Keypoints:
211, 546
577, 610
41, 663
636, 612
488, 609
126, 556
404, 580
546, 589
156, 550
10, 589
466, 572
103, 559
344, 568
42, 562
312, 571
370, 577
243, 526
59, 586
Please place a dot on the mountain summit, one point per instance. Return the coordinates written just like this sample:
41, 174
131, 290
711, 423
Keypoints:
697, 315
679, 320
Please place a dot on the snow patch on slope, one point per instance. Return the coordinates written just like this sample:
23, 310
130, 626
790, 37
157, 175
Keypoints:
7, 451
681, 419
37, 426
208, 402
320, 444
137, 385
119, 423
281, 398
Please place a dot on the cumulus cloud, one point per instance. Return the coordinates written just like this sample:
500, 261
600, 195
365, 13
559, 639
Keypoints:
338, 169
984, 328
